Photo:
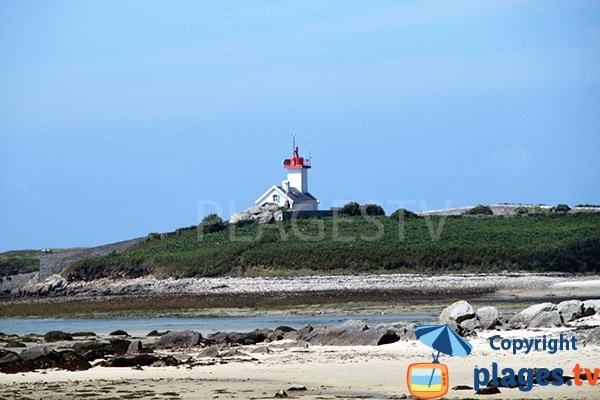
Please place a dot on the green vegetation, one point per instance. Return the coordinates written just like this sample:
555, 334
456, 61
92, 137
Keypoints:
560, 209
535, 242
401, 214
19, 262
353, 209
480, 210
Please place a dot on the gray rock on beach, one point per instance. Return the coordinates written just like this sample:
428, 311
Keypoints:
457, 311
356, 333
488, 317
135, 347
546, 319
591, 307
570, 310
524, 318
179, 339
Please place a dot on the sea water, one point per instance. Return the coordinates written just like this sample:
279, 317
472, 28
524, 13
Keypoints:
139, 326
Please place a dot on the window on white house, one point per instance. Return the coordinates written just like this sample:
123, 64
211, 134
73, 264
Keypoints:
275, 198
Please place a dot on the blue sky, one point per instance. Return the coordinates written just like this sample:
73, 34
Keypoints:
118, 117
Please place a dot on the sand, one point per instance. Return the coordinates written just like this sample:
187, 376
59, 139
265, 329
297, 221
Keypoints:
327, 372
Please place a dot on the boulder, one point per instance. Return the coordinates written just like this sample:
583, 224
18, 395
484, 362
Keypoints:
14, 343
168, 361
524, 318
355, 333
296, 388
156, 333
42, 357
243, 338
209, 352
135, 347
8, 357
591, 307
457, 311
132, 360
118, 332
179, 339
263, 214
570, 310
35, 352
57, 336
488, 317
546, 319
93, 350
262, 350
83, 334
233, 353
468, 326
282, 332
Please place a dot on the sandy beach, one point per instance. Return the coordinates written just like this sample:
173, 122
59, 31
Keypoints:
328, 372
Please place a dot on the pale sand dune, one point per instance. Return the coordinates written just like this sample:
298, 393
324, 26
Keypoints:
327, 372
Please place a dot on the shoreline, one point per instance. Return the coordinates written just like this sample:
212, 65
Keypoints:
248, 296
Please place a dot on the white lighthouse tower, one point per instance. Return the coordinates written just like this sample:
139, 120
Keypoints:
293, 193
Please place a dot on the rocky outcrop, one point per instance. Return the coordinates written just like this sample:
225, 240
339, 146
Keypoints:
457, 311
524, 318
263, 214
179, 339
356, 333
488, 317
570, 310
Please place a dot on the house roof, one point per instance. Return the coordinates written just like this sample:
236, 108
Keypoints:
297, 196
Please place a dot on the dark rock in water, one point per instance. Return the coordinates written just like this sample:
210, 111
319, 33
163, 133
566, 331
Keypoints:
179, 339
57, 336
462, 387
14, 343
285, 328
488, 390
156, 333
135, 347
132, 360
83, 334
118, 332
296, 388
210, 352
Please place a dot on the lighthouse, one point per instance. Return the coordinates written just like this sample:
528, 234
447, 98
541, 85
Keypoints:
293, 192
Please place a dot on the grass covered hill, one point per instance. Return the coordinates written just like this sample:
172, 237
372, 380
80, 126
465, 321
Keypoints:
536, 242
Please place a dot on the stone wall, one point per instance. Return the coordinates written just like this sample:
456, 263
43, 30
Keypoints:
55, 263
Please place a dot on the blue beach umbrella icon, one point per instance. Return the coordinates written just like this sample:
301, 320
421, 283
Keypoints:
444, 340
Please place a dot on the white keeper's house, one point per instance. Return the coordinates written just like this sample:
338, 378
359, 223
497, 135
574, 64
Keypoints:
293, 192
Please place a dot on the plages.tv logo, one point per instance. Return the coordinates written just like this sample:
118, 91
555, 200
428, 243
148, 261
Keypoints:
430, 380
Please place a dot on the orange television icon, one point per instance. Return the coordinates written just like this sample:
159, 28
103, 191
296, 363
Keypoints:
427, 380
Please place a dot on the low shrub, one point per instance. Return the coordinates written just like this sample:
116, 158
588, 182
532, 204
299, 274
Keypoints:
480, 210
